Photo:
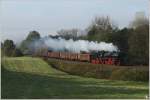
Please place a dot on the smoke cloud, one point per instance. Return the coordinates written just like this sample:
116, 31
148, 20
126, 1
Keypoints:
77, 46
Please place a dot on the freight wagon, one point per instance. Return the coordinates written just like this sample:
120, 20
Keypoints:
102, 57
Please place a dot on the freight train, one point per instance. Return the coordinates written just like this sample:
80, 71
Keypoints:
99, 57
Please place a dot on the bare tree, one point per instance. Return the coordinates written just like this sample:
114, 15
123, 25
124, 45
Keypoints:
67, 34
139, 20
102, 23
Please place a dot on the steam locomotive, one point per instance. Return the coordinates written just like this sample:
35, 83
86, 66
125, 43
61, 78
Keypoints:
94, 57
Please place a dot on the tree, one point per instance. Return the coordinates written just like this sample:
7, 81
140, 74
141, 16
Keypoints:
120, 39
139, 40
26, 45
68, 34
8, 47
140, 20
101, 29
33, 35
139, 45
2, 49
103, 24
2, 44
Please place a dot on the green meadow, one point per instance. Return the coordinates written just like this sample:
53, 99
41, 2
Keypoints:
31, 78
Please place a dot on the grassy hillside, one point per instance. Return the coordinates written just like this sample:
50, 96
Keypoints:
26, 77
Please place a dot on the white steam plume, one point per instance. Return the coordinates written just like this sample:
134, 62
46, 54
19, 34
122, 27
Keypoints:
70, 45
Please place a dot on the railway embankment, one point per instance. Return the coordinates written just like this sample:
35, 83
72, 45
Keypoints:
130, 73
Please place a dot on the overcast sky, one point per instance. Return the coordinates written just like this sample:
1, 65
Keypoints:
18, 17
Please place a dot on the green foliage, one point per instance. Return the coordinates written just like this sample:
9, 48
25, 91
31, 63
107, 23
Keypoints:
26, 45
17, 53
120, 38
101, 29
8, 47
2, 49
134, 73
33, 35
139, 45
28, 78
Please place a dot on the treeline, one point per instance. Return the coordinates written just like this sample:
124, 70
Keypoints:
132, 41
8, 48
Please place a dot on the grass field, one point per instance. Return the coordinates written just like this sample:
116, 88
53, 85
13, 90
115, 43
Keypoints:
26, 77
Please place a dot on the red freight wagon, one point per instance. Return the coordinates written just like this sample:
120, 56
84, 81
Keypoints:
54, 54
49, 54
84, 57
67, 55
62, 55
73, 56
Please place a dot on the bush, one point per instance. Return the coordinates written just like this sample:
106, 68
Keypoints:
17, 53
